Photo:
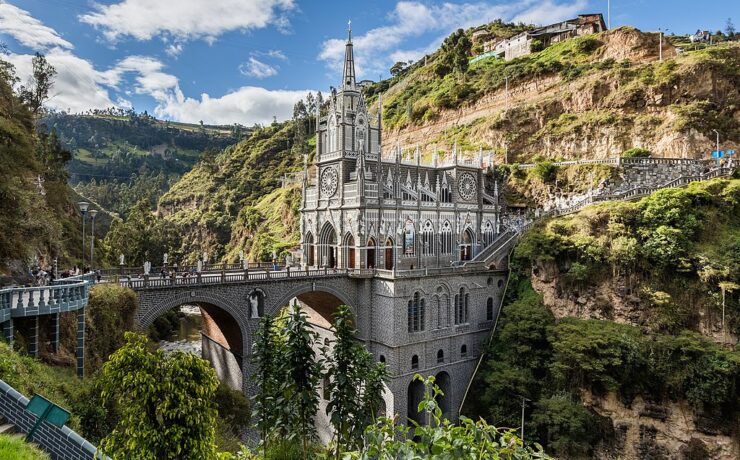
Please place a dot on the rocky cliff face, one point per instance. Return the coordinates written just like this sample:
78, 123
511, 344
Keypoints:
620, 97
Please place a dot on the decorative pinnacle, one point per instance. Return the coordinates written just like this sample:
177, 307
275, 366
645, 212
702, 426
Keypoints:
349, 30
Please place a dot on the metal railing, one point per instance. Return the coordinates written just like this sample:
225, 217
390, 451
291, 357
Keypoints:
63, 295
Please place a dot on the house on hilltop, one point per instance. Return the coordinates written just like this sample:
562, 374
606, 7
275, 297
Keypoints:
540, 38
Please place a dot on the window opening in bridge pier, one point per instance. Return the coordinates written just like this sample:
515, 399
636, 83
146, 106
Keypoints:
442, 380
415, 396
389, 254
464, 351
414, 362
489, 309
382, 358
416, 314
461, 307
370, 259
440, 356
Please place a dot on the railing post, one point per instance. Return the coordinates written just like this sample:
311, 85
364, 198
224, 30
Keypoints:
223, 275
146, 280
246, 274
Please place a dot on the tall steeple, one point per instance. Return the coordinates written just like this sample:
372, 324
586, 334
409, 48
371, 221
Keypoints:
348, 75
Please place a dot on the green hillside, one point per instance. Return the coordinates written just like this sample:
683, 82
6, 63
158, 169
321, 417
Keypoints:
120, 157
620, 305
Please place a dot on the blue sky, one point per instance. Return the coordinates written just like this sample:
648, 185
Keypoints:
243, 61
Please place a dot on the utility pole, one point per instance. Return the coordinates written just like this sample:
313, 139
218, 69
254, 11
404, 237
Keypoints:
524, 405
717, 133
609, 14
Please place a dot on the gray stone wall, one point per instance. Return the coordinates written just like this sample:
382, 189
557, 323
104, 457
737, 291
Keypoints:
61, 443
226, 364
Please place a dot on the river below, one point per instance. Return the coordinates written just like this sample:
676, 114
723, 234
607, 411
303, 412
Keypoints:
187, 336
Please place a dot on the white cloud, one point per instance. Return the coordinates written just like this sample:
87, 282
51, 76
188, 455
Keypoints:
258, 69
77, 87
27, 30
246, 105
379, 48
185, 19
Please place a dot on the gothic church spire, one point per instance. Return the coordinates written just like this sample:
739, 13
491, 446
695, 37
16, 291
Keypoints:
348, 75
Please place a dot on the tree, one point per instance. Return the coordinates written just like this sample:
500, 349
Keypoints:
267, 359
39, 85
397, 68
166, 402
730, 29
300, 376
355, 383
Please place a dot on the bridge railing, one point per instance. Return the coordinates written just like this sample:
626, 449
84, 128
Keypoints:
63, 294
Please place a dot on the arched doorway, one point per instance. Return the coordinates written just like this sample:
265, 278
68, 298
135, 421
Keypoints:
389, 254
308, 250
348, 245
466, 245
442, 380
328, 246
415, 396
370, 259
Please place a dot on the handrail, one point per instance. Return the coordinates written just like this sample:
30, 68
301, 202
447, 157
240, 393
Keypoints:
63, 294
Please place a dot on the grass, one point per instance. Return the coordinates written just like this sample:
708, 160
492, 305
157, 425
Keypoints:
13, 447
30, 376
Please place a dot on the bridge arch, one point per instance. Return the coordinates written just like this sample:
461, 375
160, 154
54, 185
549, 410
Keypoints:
226, 330
322, 298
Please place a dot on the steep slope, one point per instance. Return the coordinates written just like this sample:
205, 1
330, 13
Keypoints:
621, 327
38, 220
589, 97
234, 201
121, 157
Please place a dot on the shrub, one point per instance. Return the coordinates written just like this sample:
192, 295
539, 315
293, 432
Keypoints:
636, 152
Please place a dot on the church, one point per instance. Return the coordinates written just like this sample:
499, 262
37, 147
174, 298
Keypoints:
405, 228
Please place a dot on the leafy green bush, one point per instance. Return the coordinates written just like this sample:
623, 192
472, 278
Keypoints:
545, 171
566, 425
636, 152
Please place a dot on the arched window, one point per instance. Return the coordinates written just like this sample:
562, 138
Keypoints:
328, 246
445, 194
489, 309
416, 314
440, 356
464, 351
382, 358
461, 307
427, 239
408, 238
446, 238
414, 362
488, 233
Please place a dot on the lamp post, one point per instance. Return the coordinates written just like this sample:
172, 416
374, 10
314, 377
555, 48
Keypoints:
93, 213
83, 205
717, 133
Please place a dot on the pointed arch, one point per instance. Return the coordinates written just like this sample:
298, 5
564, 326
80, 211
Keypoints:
488, 233
466, 244
309, 250
328, 246
389, 254
446, 237
370, 253
348, 250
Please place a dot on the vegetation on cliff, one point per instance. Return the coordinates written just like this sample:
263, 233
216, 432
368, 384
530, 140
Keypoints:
669, 254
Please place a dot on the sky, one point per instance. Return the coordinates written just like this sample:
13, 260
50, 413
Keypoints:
246, 61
